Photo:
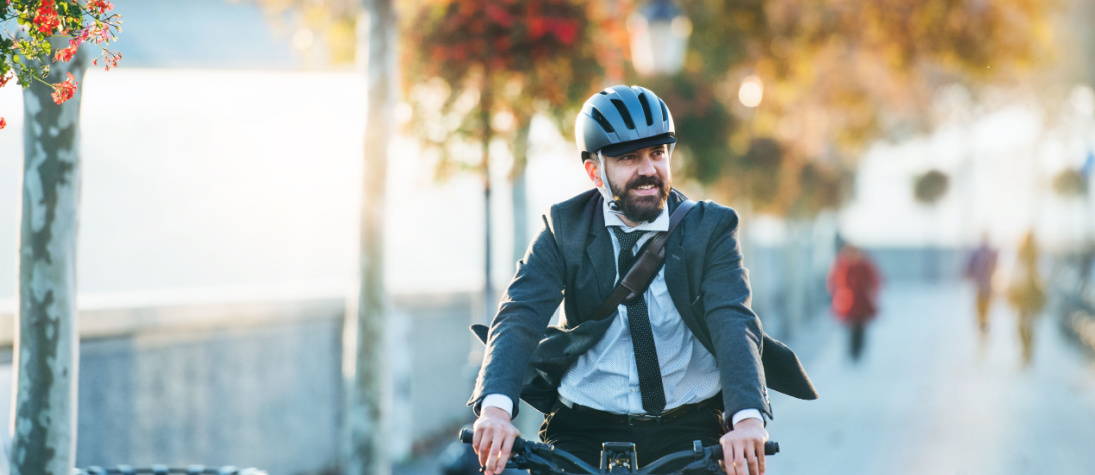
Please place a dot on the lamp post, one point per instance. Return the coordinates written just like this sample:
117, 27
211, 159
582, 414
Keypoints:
659, 36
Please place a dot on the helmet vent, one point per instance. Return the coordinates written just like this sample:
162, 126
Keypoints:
601, 120
665, 113
646, 109
622, 109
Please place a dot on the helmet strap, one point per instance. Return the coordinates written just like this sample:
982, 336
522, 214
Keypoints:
615, 203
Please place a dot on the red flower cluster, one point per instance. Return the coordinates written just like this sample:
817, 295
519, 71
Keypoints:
83, 21
64, 91
98, 34
99, 6
111, 59
46, 19
499, 15
501, 35
564, 29
66, 54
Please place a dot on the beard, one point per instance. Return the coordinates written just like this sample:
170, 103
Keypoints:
642, 208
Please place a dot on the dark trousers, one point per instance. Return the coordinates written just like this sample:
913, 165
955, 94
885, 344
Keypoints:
858, 340
581, 433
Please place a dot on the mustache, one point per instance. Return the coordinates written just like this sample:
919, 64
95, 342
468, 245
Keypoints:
646, 180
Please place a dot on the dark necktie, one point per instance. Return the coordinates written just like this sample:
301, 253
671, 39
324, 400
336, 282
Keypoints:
642, 337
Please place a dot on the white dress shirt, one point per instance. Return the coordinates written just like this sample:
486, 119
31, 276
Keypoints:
606, 377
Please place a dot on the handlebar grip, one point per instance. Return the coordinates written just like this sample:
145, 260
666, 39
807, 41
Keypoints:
771, 447
467, 436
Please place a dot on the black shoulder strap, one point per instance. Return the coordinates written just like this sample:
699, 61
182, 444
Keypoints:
646, 265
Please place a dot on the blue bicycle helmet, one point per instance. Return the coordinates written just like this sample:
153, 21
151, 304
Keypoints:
622, 119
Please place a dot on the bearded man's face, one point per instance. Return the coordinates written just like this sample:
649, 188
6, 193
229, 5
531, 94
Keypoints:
641, 180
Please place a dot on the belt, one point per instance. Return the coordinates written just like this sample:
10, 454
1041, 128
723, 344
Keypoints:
712, 404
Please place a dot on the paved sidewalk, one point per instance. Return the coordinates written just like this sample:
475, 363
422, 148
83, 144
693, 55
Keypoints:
929, 399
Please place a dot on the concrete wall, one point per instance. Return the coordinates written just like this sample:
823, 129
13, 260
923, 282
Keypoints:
265, 397
254, 384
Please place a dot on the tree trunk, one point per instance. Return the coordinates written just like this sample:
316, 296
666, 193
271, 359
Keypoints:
366, 453
528, 422
47, 343
520, 187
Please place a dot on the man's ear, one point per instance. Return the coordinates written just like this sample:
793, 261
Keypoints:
593, 169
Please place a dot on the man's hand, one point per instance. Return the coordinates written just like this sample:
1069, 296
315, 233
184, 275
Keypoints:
494, 435
744, 447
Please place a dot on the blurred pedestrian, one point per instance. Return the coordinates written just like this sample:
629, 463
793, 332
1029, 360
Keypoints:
980, 269
854, 282
1027, 293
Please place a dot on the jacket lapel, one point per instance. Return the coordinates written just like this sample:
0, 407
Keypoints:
600, 255
676, 281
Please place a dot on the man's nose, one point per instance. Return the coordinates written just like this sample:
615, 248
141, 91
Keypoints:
646, 167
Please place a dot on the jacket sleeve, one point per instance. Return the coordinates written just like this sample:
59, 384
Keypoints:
735, 330
523, 314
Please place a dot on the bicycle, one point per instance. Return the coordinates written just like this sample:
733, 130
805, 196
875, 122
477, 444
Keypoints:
165, 470
616, 458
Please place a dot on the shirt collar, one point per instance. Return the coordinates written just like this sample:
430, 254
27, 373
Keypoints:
661, 223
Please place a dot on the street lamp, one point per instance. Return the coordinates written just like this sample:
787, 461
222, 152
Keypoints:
751, 91
659, 36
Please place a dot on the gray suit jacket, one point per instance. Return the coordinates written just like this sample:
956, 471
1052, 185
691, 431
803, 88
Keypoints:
572, 261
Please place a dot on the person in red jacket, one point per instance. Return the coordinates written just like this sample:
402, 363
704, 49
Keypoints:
854, 282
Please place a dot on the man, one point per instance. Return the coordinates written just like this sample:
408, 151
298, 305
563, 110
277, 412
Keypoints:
1027, 293
662, 368
980, 269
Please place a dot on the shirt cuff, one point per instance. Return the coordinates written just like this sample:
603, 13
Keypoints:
504, 403
738, 416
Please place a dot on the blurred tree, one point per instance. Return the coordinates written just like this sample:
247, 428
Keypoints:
481, 67
363, 31
46, 54
839, 74
1070, 182
868, 67
367, 452
930, 187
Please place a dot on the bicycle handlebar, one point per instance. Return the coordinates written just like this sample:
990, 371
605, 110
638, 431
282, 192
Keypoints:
714, 452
